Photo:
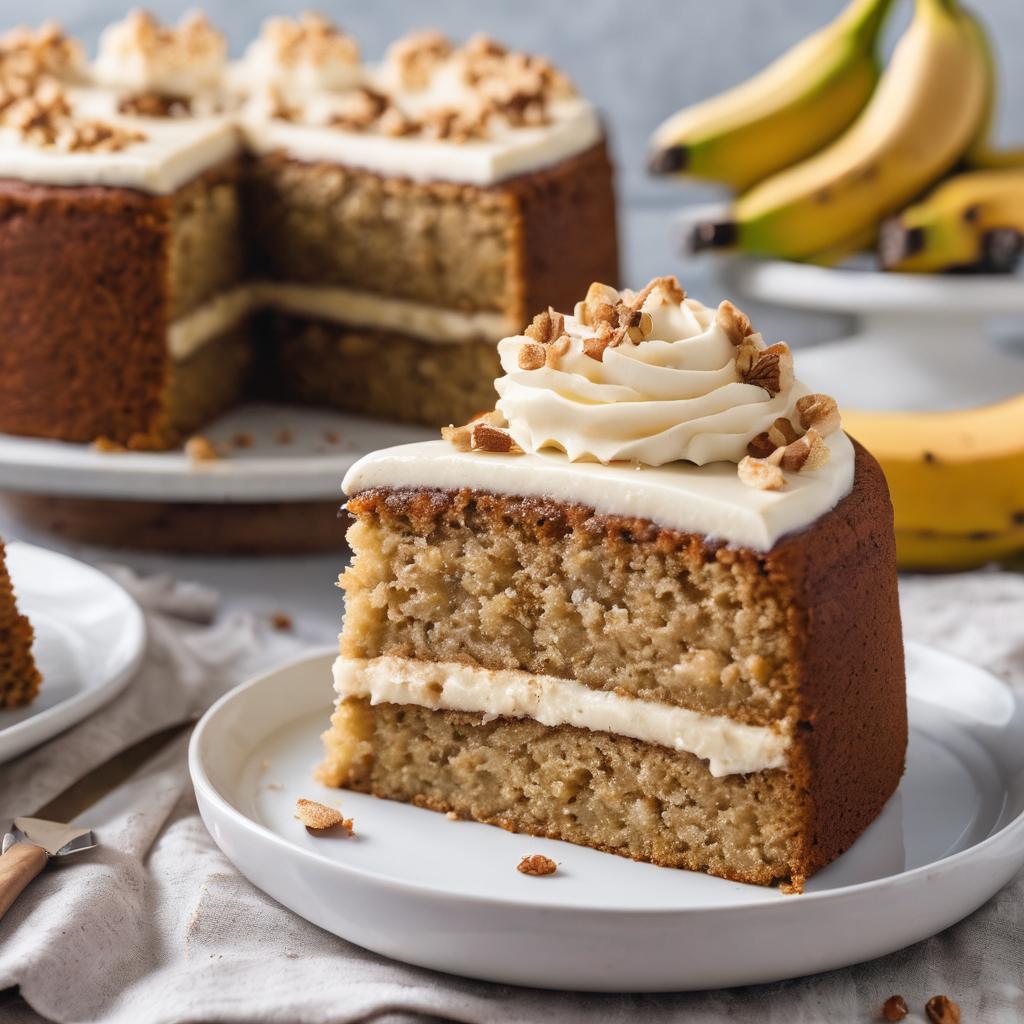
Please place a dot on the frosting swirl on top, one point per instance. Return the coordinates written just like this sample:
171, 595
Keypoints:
684, 383
141, 55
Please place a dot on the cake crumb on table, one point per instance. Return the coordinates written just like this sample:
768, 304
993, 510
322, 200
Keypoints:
200, 449
242, 440
284, 437
105, 444
281, 621
895, 1008
318, 817
537, 864
942, 1010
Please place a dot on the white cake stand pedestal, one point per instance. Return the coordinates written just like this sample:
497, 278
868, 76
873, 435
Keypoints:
922, 342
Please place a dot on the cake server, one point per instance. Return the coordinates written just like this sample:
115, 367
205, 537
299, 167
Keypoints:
31, 842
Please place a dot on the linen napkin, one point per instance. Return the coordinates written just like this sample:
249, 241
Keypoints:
156, 925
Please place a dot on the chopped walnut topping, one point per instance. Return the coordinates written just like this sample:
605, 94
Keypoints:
808, 452
532, 356
30, 53
761, 473
820, 412
200, 449
942, 1010
363, 109
735, 323
537, 864
415, 57
546, 326
309, 38
782, 432
484, 433
761, 446
770, 368
555, 351
142, 54
485, 438
153, 104
318, 817
895, 1008
455, 124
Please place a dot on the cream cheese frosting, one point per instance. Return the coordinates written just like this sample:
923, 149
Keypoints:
729, 747
294, 93
709, 500
350, 306
676, 395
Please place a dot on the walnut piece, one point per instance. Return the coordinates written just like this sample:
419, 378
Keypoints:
761, 474
808, 452
546, 326
485, 433
735, 323
200, 449
153, 104
532, 356
895, 1008
318, 817
537, 864
782, 432
820, 412
770, 368
942, 1010
416, 56
311, 38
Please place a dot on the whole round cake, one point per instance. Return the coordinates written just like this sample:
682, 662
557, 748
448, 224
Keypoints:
647, 605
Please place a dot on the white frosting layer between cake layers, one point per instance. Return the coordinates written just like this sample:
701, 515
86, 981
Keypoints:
709, 500
729, 747
433, 324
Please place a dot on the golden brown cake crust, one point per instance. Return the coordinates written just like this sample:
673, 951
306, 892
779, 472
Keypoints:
837, 580
85, 302
19, 677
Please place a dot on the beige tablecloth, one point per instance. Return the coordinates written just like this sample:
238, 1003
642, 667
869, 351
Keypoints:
156, 925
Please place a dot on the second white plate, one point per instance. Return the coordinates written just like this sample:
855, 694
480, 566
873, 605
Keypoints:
290, 454
90, 639
446, 894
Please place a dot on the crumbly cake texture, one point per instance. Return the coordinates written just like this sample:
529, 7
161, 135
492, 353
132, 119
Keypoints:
92, 276
806, 634
19, 677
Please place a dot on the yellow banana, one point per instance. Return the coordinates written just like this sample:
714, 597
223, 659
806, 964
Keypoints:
956, 479
975, 219
936, 551
982, 154
919, 122
791, 109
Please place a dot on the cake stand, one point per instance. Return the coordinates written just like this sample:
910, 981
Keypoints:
922, 342
275, 487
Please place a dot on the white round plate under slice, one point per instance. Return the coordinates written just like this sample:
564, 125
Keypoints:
287, 454
444, 894
90, 637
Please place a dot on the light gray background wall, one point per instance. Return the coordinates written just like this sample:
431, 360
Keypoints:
638, 60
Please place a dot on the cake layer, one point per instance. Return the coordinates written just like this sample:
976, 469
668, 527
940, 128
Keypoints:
807, 633
19, 677
728, 746
512, 248
383, 373
617, 794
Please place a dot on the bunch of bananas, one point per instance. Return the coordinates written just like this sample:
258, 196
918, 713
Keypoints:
829, 154
826, 150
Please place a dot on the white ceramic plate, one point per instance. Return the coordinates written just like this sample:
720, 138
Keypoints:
295, 455
90, 638
446, 894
